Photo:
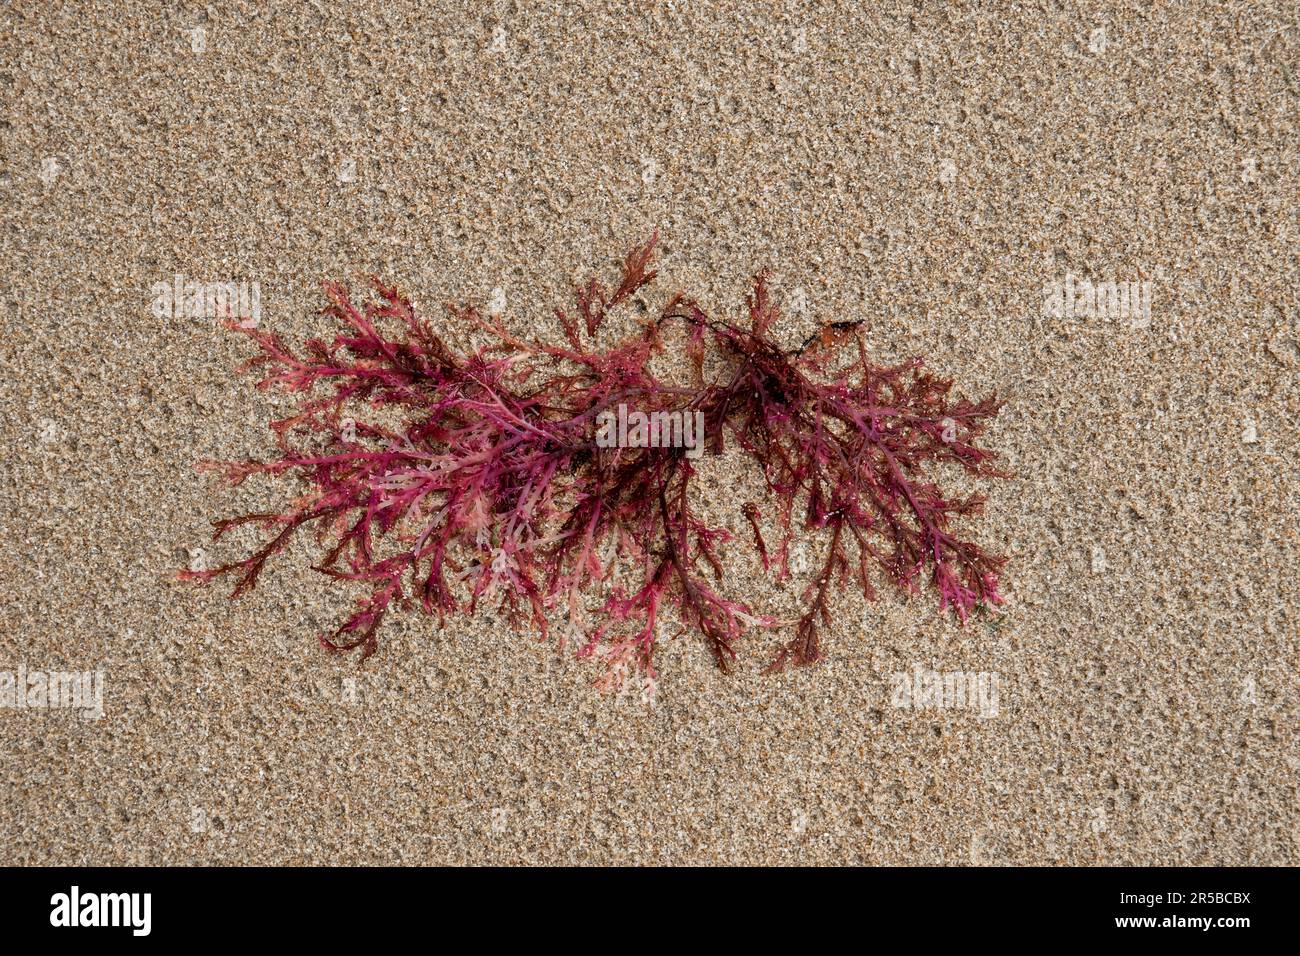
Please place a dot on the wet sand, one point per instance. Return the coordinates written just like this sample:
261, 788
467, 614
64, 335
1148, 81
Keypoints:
926, 168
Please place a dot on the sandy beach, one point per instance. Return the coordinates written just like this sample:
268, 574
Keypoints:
940, 172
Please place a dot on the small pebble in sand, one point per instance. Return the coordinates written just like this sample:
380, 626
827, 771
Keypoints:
48, 431
348, 690
1249, 695
799, 301
649, 170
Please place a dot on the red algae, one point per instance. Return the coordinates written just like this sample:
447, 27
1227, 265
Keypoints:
495, 489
